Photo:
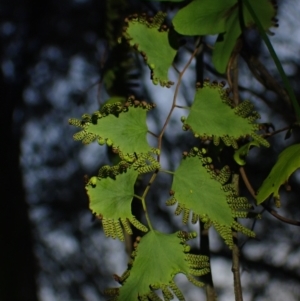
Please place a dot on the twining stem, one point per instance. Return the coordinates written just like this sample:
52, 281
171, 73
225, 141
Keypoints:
142, 199
138, 197
159, 137
151, 133
196, 51
146, 214
275, 59
276, 132
270, 210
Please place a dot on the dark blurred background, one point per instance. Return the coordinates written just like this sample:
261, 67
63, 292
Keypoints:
54, 55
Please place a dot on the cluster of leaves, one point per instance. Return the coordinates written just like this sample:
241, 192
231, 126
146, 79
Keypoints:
198, 188
225, 18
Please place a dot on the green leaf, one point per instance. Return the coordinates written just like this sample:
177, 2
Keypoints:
128, 131
199, 192
225, 44
158, 258
152, 40
125, 129
198, 188
202, 17
243, 151
110, 200
213, 117
288, 161
264, 11
221, 17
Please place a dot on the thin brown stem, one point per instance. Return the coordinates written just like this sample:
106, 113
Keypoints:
247, 183
175, 68
149, 184
276, 132
151, 133
280, 217
159, 137
195, 52
232, 73
270, 210
144, 197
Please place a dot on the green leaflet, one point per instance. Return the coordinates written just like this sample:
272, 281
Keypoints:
122, 126
151, 39
199, 189
225, 44
110, 199
227, 123
288, 161
243, 151
158, 258
209, 17
221, 17
264, 11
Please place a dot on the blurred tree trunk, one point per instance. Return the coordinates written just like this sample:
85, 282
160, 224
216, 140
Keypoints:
17, 261
18, 265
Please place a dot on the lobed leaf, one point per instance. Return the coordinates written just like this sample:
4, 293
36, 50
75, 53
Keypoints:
158, 258
110, 199
213, 117
119, 125
199, 189
288, 161
202, 17
151, 39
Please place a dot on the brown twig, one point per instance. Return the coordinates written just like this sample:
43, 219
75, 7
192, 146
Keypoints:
195, 52
175, 68
232, 72
159, 137
270, 210
276, 132
153, 134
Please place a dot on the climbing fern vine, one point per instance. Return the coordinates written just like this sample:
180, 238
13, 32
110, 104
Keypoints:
217, 118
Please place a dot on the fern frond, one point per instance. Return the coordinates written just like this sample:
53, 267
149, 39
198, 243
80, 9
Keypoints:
199, 189
166, 253
212, 97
